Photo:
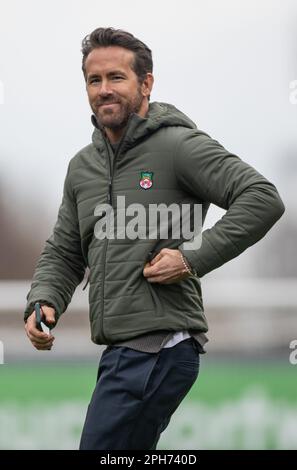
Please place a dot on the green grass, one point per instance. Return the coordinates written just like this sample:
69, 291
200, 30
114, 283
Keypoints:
48, 383
216, 383
230, 406
230, 381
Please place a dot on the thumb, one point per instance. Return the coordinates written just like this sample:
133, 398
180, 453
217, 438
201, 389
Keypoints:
49, 314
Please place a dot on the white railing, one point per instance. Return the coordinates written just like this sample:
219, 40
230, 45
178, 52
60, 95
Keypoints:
231, 293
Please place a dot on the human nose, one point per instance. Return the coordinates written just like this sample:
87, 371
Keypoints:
105, 88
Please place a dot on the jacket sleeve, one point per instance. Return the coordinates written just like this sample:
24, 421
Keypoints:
60, 267
208, 171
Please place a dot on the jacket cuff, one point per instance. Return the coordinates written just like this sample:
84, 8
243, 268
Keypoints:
30, 308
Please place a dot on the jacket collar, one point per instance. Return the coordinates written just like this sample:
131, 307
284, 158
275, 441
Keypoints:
158, 115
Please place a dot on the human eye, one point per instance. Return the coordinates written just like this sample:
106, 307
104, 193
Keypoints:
117, 77
94, 80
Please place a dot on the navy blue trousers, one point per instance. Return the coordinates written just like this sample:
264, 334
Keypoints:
136, 394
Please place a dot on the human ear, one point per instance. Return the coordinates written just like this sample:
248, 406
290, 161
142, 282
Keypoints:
147, 84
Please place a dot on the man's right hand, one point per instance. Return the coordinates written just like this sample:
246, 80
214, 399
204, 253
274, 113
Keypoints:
39, 339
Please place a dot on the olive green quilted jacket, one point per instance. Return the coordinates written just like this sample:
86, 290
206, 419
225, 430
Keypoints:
163, 158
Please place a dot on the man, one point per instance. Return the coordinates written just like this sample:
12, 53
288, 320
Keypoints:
145, 294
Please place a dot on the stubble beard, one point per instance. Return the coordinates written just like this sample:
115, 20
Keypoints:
116, 119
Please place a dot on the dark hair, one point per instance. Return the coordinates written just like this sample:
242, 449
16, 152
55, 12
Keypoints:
104, 37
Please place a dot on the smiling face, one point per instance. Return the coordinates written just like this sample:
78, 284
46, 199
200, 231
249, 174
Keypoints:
113, 88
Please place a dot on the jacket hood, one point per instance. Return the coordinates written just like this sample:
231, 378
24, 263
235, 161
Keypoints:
158, 115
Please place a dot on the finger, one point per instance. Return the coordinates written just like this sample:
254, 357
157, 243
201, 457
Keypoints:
157, 258
165, 279
166, 271
148, 271
48, 314
30, 327
153, 272
162, 279
159, 269
41, 341
178, 278
165, 266
156, 279
43, 347
34, 333
155, 265
39, 336
44, 343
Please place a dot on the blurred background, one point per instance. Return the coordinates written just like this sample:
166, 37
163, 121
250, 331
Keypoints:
231, 67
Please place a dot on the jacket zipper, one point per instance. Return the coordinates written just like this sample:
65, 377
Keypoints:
111, 169
110, 178
109, 198
88, 278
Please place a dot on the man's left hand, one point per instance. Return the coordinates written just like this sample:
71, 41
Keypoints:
166, 267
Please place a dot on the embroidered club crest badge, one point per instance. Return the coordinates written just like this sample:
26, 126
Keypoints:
146, 180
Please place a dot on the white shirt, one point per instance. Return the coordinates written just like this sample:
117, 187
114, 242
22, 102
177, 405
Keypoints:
177, 337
